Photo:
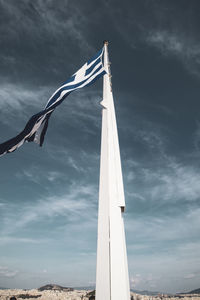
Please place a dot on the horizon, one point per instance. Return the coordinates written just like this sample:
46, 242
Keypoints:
93, 288
49, 195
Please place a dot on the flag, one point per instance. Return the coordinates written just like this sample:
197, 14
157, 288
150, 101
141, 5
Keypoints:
37, 125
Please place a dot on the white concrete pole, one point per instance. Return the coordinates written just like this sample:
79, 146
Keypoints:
112, 280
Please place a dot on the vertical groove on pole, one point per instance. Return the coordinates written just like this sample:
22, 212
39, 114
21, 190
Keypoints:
112, 280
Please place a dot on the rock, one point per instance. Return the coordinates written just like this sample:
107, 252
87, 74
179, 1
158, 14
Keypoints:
197, 291
54, 287
91, 295
27, 296
57, 294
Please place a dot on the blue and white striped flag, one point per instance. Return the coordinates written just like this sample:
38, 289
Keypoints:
36, 127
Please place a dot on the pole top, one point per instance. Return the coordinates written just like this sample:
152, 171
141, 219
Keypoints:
105, 42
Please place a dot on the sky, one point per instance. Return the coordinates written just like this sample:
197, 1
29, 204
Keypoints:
49, 195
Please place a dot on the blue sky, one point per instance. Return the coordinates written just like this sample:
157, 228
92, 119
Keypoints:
49, 195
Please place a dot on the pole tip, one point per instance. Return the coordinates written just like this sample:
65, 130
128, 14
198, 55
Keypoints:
105, 42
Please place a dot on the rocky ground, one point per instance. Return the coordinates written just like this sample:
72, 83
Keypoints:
166, 297
78, 295
43, 295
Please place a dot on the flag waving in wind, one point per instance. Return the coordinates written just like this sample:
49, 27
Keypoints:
36, 127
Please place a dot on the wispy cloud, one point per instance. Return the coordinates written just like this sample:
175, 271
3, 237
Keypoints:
196, 138
75, 23
83, 162
6, 272
21, 102
83, 108
168, 42
164, 194
154, 230
175, 182
4, 240
189, 276
172, 240
184, 48
160, 25
76, 204
148, 280
18, 103
36, 175
165, 178
52, 22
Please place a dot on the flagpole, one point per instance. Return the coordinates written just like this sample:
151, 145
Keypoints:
112, 280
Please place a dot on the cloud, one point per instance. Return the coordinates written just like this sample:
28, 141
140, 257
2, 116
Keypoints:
7, 273
81, 162
175, 43
189, 276
167, 42
162, 188
36, 175
154, 240
53, 175
4, 240
170, 28
138, 281
18, 103
76, 204
164, 230
135, 281
51, 20
83, 108
196, 138
162, 177
162, 221
74, 25
175, 182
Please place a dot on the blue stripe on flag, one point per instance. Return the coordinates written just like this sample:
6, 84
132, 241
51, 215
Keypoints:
97, 77
36, 127
92, 66
69, 87
69, 80
94, 57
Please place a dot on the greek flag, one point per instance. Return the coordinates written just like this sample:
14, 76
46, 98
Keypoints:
36, 127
